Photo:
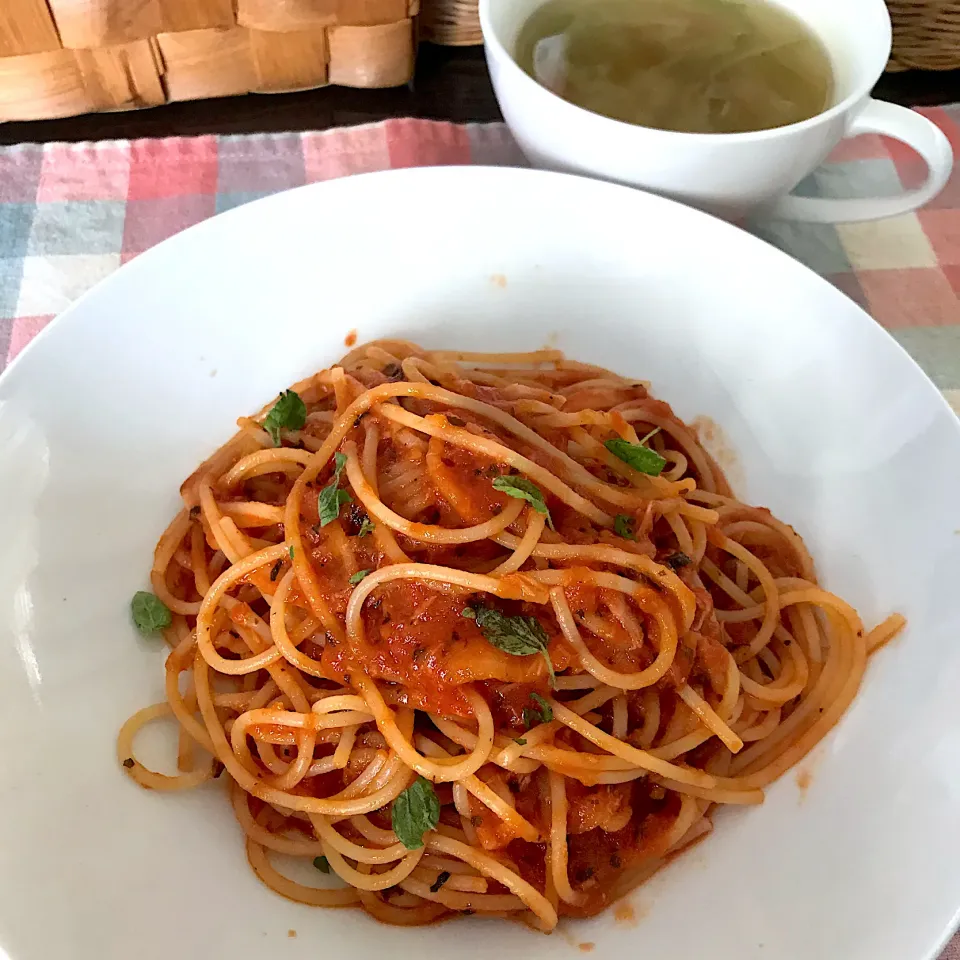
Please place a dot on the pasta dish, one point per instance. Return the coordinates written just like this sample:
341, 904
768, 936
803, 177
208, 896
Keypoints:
482, 633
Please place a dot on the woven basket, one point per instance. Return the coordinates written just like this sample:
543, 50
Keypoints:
926, 33
453, 23
60, 58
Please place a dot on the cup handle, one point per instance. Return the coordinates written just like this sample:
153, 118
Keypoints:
902, 124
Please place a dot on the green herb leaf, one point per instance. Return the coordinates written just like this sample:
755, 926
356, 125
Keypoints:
541, 712
288, 413
544, 708
623, 526
469, 613
520, 741
332, 498
677, 560
524, 489
359, 575
290, 551
150, 613
518, 635
415, 811
366, 527
637, 455
322, 864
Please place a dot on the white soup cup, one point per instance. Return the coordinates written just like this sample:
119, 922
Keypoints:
733, 175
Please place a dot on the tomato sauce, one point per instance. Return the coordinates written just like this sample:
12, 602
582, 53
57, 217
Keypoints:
416, 635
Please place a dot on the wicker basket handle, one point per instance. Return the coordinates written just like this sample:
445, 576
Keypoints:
902, 124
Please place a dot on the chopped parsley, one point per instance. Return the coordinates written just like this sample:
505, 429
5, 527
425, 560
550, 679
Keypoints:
517, 635
415, 812
332, 498
359, 575
546, 711
637, 455
150, 613
523, 489
541, 712
288, 413
623, 526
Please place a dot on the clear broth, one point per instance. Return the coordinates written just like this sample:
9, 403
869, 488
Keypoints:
698, 66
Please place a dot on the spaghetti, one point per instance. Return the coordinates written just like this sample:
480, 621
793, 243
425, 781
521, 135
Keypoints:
483, 633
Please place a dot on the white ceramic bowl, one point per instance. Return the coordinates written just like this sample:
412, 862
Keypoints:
734, 175
832, 426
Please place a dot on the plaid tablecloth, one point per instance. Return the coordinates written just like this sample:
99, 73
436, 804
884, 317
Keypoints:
70, 214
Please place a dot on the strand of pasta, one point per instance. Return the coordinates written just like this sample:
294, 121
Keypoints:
558, 840
624, 681
143, 775
440, 427
428, 533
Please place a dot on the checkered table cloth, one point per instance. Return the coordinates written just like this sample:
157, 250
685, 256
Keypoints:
70, 214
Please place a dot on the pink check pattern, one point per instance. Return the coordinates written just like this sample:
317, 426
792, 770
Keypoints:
71, 214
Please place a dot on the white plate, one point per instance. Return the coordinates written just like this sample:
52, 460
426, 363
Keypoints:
821, 416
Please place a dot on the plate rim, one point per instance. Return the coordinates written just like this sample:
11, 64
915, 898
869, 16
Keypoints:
468, 172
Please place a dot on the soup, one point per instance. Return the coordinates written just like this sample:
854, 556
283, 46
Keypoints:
698, 66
